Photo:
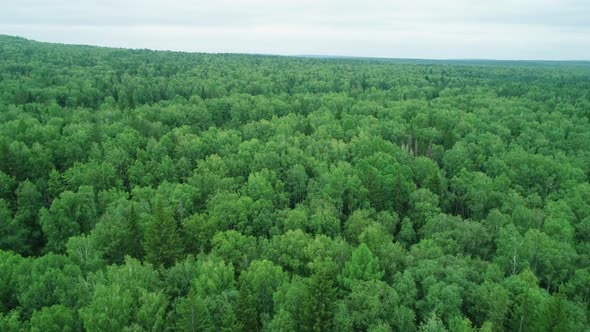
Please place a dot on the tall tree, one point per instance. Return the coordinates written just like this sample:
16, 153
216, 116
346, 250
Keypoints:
162, 243
319, 310
363, 266
257, 285
134, 247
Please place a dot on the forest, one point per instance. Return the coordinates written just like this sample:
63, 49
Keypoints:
166, 191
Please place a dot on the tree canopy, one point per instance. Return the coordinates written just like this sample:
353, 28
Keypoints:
153, 191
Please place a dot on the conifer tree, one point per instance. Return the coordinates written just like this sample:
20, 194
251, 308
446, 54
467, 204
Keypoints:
162, 244
556, 316
407, 234
135, 234
193, 315
247, 314
362, 266
319, 312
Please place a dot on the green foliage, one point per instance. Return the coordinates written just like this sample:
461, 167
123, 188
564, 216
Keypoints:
318, 314
49, 280
369, 303
210, 304
433, 324
54, 319
11, 322
162, 244
12, 235
194, 316
110, 309
155, 191
235, 248
363, 266
126, 297
257, 285
82, 251
10, 265
70, 215
29, 200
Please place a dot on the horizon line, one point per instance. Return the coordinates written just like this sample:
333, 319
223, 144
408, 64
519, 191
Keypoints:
308, 56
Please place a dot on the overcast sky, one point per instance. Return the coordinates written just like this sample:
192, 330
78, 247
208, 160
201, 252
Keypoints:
433, 29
